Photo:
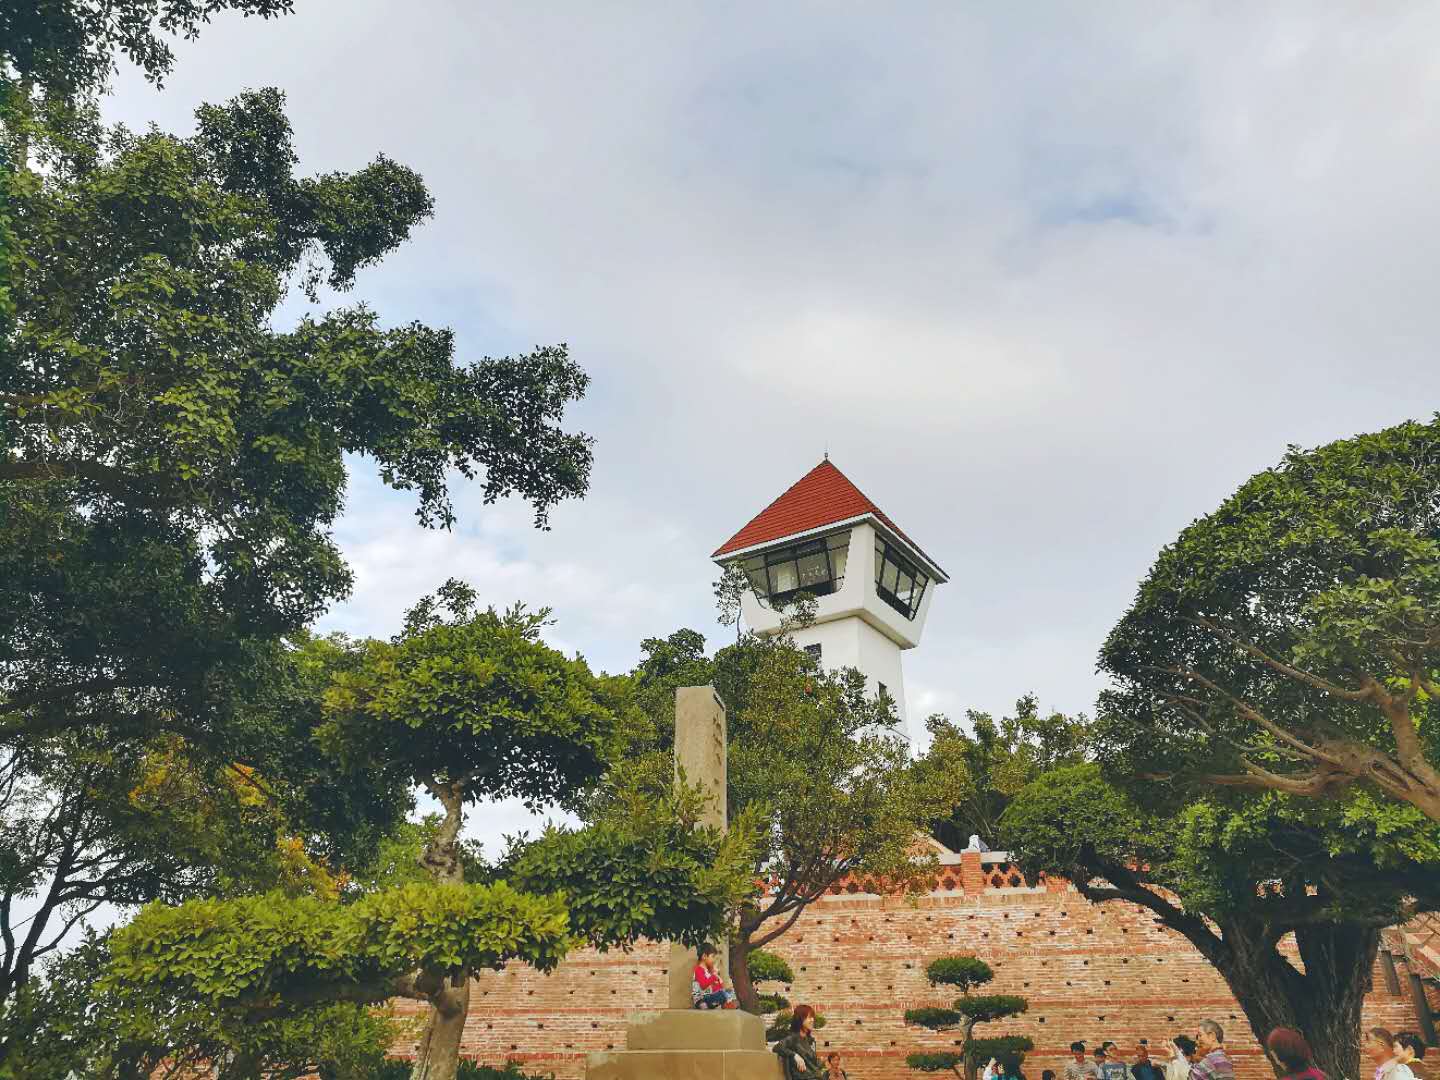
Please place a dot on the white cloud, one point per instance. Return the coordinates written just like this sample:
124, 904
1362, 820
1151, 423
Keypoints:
1048, 281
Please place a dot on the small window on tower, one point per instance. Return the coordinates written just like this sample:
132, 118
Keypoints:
814, 651
884, 694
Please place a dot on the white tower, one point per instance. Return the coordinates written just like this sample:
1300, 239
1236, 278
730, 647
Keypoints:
873, 584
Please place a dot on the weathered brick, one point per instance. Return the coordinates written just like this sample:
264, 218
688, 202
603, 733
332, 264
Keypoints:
1091, 972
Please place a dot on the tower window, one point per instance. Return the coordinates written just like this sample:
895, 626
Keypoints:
814, 651
897, 580
815, 566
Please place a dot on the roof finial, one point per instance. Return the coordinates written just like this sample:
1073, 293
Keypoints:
827, 451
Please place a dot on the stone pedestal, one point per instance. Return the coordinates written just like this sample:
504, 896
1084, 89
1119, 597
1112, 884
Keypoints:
689, 1044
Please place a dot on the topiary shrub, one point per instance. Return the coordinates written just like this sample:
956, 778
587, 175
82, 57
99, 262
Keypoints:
965, 973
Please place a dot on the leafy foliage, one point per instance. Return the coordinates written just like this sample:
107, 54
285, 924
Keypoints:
1289, 640
766, 966
477, 700
935, 1061
994, 760
270, 951
1235, 874
822, 763
964, 972
650, 870
929, 1016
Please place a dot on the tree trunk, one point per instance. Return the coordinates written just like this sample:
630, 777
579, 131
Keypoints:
438, 1056
972, 1067
1323, 1003
745, 993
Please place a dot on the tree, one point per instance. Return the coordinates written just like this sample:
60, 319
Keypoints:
172, 464
1237, 876
1289, 641
68, 47
470, 705
997, 760
966, 973
822, 762
729, 588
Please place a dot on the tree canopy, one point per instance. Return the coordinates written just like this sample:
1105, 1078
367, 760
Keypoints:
1289, 641
1236, 875
821, 763
990, 761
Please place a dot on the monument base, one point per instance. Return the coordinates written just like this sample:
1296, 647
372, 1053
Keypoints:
689, 1044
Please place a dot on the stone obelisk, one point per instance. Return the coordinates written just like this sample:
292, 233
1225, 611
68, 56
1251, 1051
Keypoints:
679, 1042
700, 762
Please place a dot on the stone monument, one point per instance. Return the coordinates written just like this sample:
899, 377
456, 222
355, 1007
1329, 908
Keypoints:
679, 1042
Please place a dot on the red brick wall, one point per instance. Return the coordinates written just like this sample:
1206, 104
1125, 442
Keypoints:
1091, 972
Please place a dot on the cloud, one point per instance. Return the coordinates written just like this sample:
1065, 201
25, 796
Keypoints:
1048, 281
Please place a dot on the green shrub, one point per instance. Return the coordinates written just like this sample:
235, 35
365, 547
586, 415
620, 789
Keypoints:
932, 1018
937, 1062
768, 967
962, 971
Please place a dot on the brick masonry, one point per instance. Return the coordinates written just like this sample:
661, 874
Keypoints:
1091, 972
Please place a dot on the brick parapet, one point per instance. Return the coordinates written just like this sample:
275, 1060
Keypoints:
1090, 971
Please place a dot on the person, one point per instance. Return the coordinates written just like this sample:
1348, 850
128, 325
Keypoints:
707, 988
1144, 1068
1214, 1063
1009, 1069
1408, 1047
1379, 1048
1289, 1050
833, 1067
797, 1050
1079, 1067
1110, 1065
1047, 1074
1182, 1056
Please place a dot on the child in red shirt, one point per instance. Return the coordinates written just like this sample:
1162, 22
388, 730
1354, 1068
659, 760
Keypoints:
707, 988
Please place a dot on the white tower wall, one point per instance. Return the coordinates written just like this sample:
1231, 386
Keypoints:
853, 626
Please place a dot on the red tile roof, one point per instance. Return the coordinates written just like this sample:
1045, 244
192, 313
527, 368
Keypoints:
823, 496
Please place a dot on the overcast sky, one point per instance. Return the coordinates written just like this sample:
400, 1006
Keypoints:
1048, 281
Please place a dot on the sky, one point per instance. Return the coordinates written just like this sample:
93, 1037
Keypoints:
1047, 281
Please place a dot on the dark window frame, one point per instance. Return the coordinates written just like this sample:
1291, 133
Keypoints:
793, 554
890, 556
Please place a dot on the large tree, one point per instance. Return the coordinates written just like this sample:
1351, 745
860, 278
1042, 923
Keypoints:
470, 705
1290, 640
822, 762
171, 463
172, 460
1242, 876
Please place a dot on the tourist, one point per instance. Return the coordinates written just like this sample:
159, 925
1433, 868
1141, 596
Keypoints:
1289, 1050
1079, 1068
1407, 1047
1144, 1068
797, 1050
834, 1068
1109, 1064
1182, 1056
1047, 1074
1379, 1048
707, 988
1214, 1064
1009, 1069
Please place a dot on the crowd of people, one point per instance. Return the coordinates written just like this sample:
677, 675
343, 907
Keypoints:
1186, 1057
1203, 1057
